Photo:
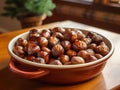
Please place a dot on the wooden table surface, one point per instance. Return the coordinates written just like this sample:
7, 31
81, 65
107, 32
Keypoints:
108, 79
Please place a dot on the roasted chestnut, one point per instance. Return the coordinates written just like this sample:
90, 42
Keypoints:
90, 51
71, 53
79, 45
80, 35
55, 62
64, 59
83, 53
70, 35
42, 41
45, 33
90, 58
98, 56
77, 60
30, 58
33, 34
92, 46
46, 49
21, 42
44, 55
31, 48
57, 50
39, 60
95, 37
66, 44
102, 49
53, 41
87, 40
58, 29
58, 35
18, 50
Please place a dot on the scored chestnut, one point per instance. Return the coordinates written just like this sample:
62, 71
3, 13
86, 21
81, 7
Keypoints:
79, 45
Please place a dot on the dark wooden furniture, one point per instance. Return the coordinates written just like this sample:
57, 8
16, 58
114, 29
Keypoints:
100, 13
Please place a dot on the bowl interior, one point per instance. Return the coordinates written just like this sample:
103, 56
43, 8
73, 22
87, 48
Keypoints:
24, 35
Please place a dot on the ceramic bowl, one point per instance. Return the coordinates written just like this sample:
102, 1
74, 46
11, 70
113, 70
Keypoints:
57, 74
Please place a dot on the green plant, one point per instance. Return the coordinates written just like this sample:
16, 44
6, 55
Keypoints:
16, 8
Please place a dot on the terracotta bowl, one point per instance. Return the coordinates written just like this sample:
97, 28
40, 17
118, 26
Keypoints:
57, 74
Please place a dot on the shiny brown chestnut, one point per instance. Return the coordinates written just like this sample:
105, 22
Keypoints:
80, 35
31, 48
58, 29
70, 35
90, 58
66, 44
33, 34
18, 50
44, 55
58, 35
30, 58
102, 49
21, 42
46, 49
57, 50
39, 60
64, 59
53, 41
95, 37
55, 62
42, 41
83, 53
92, 46
90, 51
71, 53
98, 56
79, 45
45, 33
77, 60
87, 40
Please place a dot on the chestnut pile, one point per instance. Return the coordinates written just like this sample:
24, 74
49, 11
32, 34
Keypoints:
61, 46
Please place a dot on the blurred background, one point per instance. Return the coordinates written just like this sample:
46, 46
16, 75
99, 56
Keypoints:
104, 14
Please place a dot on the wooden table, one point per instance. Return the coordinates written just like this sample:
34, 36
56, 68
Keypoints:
109, 78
